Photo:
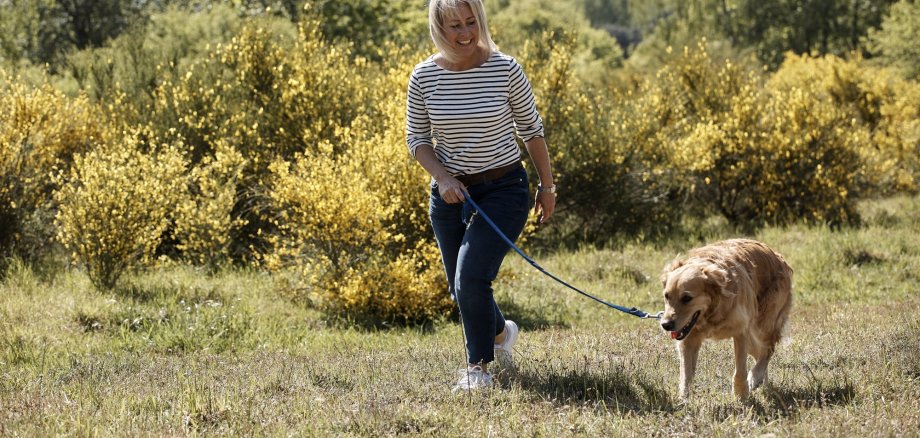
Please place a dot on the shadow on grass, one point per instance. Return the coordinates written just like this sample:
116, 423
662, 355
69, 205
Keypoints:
528, 318
787, 402
784, 403
141, 294
147, 293
617, 389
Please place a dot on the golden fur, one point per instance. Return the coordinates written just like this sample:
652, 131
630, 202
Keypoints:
739, 289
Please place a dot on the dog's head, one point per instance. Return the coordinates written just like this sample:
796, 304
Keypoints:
691, 287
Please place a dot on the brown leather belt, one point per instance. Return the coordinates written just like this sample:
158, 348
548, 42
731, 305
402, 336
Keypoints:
488, 175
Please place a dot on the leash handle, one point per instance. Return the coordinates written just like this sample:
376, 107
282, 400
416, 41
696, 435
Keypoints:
631, 310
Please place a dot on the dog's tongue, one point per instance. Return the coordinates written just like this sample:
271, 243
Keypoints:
674, 335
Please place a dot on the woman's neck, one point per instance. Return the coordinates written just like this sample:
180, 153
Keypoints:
481, 55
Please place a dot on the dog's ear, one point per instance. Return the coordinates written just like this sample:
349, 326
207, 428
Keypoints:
718, 278
676, 263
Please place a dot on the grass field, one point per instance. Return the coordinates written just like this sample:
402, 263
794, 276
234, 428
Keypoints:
177, 352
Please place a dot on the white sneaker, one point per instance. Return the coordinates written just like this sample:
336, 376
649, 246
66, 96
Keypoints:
503, 353
473, 378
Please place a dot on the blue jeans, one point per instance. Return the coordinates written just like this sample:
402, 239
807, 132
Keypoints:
472, 253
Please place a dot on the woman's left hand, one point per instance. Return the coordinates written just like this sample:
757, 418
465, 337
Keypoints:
544, 205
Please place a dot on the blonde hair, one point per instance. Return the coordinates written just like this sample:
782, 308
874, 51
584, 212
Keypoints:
439, 10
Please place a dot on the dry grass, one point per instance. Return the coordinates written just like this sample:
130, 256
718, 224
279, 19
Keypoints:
178, 353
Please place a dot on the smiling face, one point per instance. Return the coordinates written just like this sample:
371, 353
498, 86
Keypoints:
688, 293
461, 31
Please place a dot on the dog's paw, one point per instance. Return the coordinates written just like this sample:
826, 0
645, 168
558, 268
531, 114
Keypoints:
755, 381
742, 390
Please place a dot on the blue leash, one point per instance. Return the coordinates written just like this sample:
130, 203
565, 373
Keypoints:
631, 310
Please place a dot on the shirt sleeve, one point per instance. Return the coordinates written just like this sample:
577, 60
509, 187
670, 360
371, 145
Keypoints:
527, 120
418, 125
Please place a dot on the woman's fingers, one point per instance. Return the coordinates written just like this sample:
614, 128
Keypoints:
452, 192
544, 205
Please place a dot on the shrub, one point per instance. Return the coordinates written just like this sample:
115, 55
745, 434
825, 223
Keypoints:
139, 60
342, 241
326, 185
115, 205
598, 148
756, 155
879, 101
808, 165
204, 219
40, 131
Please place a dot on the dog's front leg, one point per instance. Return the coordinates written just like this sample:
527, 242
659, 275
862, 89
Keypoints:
740, 383
689, 350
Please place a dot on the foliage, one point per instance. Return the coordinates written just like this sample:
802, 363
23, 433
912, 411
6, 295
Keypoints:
115, 204
349, 259
815, 26
302, 128
769, 28
137, 62
516, 23
895, 41
365, 24
757, 155
361, 249
204, 221
879, 101
282, 144
599, 149
40, 131
44, 31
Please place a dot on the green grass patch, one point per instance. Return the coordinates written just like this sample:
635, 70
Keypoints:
177, 352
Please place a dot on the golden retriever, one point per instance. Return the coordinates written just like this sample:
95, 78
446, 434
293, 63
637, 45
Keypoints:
739, 289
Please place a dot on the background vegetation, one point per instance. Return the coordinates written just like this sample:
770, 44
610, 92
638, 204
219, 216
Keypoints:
209, 222
655, 112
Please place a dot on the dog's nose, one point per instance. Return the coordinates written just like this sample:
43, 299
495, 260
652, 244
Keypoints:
668, 325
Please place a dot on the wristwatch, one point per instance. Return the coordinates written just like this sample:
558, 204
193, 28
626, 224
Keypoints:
550, 189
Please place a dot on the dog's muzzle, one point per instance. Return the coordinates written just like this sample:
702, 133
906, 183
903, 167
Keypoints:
679, 335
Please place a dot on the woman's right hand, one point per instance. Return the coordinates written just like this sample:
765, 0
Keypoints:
452, 191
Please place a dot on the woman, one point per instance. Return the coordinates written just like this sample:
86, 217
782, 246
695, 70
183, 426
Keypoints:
465, 104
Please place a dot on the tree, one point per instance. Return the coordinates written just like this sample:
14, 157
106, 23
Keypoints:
44, 31
895, 42
774, 27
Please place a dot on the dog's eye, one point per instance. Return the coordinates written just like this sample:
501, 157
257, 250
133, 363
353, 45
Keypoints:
686, 299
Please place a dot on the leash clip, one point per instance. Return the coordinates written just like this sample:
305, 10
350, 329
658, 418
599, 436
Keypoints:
655, 316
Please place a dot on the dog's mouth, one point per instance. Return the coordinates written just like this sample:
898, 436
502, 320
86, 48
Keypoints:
682, 333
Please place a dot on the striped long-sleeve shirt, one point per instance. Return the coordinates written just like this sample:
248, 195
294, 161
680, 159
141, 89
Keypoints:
469, 117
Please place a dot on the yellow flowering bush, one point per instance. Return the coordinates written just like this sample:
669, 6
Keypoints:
352, 215
40, 131
599, 150
809, 164
339, 232
205, 221
879, 100
284, 149
115, 204
756, 154
328, 190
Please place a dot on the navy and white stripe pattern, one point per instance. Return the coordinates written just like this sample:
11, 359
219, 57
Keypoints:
469, 117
